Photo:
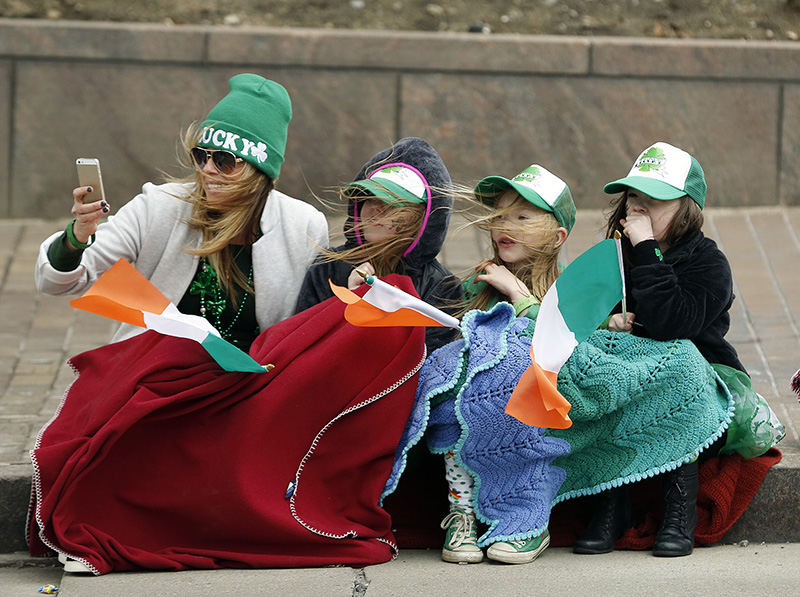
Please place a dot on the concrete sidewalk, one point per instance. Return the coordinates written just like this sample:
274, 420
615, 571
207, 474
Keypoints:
754, 570
38, 333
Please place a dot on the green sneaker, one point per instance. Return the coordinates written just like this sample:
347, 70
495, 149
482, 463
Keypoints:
461, 538
519, 552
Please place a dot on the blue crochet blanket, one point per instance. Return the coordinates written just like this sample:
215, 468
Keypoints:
639, 408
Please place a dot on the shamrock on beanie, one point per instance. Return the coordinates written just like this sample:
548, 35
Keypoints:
251, 122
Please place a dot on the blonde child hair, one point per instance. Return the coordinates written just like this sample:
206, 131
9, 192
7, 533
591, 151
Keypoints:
540, 267
531, 214
541, 235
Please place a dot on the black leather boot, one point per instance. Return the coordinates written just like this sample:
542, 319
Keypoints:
612, 516
676, 535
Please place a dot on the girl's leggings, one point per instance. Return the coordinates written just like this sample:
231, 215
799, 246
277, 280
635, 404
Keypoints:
460, 484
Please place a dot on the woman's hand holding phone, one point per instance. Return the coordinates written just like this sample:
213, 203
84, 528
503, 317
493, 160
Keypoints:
87, 215
89, 203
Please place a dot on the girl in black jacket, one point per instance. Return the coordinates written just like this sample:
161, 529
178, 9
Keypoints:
679, 285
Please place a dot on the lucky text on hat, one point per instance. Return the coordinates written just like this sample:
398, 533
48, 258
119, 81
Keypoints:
252, 122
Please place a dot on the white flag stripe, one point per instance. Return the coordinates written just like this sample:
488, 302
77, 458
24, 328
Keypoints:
553, 342
172, 312
174, 323
390, 299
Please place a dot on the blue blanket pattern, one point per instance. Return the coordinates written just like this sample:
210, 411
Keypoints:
639, 408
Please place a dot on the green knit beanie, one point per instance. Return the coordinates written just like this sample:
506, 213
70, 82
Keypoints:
251, 122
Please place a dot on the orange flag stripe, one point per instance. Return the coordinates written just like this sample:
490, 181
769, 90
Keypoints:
537, 401
360, 312
100, 305
121, 291
366, 315
344, 294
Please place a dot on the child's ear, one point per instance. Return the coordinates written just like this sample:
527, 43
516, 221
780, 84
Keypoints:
561, 236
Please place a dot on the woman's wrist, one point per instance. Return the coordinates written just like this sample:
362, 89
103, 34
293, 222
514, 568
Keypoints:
72, 240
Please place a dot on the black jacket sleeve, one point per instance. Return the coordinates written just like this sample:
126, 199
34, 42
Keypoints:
447, 296
315, 287
679, 300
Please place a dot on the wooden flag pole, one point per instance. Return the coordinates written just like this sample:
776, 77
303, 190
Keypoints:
618, 237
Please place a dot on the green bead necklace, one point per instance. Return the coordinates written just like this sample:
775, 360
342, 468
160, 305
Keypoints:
212, 302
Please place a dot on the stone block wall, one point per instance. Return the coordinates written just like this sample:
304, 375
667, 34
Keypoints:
583, 107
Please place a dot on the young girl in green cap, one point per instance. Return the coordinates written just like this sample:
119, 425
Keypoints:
679, 285
531, 216
398, 212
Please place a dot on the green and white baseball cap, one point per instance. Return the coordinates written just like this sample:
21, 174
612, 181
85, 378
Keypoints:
395, 184
664, 172
536, 185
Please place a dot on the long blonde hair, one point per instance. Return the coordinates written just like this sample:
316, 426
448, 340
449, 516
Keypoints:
538, 270
385, 255
239, 212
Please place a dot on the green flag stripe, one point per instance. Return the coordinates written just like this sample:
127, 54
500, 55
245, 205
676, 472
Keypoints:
589, 288
229, 357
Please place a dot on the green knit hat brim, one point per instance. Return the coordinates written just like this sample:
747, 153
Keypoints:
654, 188
252, 122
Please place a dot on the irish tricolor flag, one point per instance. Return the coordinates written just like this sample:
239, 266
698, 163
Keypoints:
384, 305
579, 300
124, 294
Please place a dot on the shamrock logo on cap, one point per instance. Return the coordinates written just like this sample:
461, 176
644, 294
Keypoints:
529, 174
652, 159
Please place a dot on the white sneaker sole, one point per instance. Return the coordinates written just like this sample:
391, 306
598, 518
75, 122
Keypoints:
516, 557
462, 557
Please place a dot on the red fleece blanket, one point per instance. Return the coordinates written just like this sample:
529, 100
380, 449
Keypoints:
158, 459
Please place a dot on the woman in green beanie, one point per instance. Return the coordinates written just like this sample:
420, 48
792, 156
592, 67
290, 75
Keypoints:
213, 242
157, 458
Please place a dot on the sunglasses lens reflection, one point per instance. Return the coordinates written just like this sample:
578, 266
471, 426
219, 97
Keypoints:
224, 161
199, 156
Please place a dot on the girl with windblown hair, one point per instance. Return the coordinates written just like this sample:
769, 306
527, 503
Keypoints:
398, 212
530, 218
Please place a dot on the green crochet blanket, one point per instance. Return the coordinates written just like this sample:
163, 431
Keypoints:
639, 408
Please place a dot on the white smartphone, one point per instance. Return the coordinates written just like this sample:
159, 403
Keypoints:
89, 176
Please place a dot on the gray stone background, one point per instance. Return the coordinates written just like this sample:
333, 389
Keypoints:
583, 107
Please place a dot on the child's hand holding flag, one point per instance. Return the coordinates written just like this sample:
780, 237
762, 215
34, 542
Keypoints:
384, 305
579, 300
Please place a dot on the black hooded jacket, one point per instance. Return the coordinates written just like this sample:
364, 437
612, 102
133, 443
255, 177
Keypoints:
433, 282
687, 295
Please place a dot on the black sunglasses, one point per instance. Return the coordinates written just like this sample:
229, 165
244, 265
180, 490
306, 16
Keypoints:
225, 161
